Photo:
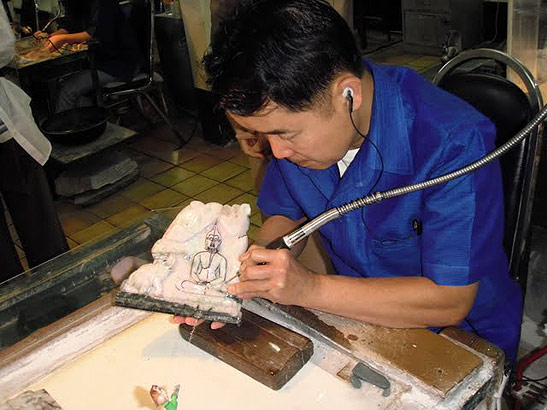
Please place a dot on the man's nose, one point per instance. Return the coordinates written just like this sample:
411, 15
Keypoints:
279, 148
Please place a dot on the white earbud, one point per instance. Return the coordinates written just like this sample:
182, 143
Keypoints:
348, 95
348, 92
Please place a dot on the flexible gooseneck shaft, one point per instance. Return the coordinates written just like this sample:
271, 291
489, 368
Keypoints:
291, 239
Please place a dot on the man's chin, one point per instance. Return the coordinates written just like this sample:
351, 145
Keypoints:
310, 164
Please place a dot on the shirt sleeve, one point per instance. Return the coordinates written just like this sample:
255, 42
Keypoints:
463, 219
275, 197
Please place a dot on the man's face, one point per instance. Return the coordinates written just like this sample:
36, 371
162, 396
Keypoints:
212, 242
316, 138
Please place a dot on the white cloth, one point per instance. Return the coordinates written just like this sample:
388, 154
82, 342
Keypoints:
344, 163
7, 39
15, 112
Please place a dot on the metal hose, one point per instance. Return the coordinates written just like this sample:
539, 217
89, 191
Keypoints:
291, 239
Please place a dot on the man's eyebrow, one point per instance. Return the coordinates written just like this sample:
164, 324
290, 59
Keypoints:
276, 131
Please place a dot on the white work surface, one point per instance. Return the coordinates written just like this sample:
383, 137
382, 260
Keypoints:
118, 374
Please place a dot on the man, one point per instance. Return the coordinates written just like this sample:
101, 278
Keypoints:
23, 184
288, 72
118, 57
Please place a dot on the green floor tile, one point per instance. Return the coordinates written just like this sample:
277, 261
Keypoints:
94, 231
71, 244
183, 154
399, 60
426, 61
163, 199
173, 176
173, 211
201, 163
241, 159
110, 205
194, 185
198, 145
225, 153
141, 189
219, 193
223, 171
153, 167
128, 215
77, 220
243, 181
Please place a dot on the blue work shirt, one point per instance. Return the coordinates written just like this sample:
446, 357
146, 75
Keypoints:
421, 132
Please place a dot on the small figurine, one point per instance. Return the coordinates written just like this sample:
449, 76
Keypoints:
161, 398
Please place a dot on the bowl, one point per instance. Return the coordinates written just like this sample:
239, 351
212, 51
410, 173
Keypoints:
77, 126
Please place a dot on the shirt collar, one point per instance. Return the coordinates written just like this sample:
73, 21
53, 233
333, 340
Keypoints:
389, 126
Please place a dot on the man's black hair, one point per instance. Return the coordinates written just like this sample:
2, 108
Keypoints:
284, 51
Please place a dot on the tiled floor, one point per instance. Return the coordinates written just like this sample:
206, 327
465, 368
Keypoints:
171, 177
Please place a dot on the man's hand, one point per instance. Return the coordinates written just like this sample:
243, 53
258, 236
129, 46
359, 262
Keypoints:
252, 145
125, 267
190, 321
56, 42
40, 34
274, 275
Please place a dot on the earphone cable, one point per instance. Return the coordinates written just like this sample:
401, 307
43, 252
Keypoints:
366, 139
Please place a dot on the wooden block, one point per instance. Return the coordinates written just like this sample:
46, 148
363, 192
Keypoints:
263, 350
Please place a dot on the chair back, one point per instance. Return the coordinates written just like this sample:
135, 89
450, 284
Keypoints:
510, 109
139, 14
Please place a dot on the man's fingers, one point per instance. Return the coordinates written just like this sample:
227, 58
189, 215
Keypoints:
194, 322
217, 325
190, 321
124, 267
253, 154
179, 320
250, 286
255, 272
245, 255
263, 255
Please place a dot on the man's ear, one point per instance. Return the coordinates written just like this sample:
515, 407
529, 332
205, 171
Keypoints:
349, 89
